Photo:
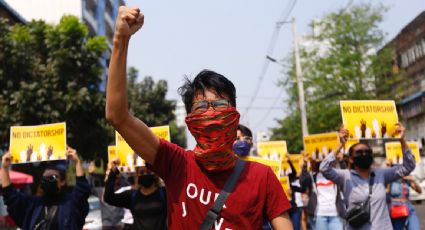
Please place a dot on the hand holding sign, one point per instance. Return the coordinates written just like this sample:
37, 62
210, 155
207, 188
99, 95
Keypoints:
6, 160
400, 130
71, 154
343, 135
369, 119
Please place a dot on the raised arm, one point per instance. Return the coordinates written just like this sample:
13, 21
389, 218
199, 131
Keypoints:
292, 176
123, 199
134, 131
81, 190
73, 156
328, 171
17, 202
397, 172
5, 165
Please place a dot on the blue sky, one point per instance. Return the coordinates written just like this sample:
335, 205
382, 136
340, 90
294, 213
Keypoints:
180, 38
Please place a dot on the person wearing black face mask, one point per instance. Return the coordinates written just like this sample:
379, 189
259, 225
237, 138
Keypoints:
147, 203
55, 208
364, 186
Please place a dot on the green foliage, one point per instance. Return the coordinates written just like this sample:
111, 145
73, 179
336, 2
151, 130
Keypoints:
147, 101
52, 73
340, 62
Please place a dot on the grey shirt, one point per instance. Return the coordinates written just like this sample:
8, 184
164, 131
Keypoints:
356, 189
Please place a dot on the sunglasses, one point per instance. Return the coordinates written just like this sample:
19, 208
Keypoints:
363, 152
217, 105
52, 178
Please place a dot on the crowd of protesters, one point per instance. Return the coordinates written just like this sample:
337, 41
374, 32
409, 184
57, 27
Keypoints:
211, 186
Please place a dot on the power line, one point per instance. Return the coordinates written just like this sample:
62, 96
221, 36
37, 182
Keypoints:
268, 59
269, 110
272, 45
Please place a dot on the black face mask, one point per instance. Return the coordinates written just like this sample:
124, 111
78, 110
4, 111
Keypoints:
147, 180
49, 184
363, 161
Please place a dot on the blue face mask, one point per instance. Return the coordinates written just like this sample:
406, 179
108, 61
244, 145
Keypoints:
242, 148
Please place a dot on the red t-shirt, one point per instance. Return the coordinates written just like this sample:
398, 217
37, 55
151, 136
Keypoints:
191, 191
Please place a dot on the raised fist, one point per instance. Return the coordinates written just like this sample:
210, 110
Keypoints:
129, 21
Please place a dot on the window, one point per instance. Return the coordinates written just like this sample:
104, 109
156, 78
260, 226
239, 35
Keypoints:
411, 55
404, 60
419, 50
423, 45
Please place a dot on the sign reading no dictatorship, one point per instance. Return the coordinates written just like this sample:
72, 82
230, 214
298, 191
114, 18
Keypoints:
38, 143
369, 119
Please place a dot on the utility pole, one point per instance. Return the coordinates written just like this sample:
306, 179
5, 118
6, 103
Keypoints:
300, 83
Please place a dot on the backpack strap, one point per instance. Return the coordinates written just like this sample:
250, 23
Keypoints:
215, 210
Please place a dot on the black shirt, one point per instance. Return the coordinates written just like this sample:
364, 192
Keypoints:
149, 211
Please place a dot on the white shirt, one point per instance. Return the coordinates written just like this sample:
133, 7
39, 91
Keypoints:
326, 196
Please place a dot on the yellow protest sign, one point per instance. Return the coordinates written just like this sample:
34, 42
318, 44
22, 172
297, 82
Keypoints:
349, 143
112, 154
162, 132
275, 150
274, 164
395, 154
130, 159
296, 160
38, 143
318, 146
369, 119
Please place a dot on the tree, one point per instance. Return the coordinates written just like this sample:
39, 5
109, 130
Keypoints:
52, 73
340, 62
147, 101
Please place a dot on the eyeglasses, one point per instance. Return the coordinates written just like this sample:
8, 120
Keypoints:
363, 152
52, 178
217, 105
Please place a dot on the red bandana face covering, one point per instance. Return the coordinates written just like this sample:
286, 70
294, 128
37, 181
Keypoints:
215, 132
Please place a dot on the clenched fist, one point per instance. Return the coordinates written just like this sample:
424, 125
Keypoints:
129, 20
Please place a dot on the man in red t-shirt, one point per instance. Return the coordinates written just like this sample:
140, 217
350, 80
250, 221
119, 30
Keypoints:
195, 178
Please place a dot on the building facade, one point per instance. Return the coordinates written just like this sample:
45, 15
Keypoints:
408, 49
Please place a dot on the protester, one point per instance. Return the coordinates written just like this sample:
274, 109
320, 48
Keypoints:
127, 219
147, 203
195, 178
111, 215
364, 186
325, 206
402, 212
243, 143
297, 189
56, 208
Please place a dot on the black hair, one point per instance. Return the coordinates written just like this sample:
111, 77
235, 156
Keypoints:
207, 79
245, 130
351, 149
61, 168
